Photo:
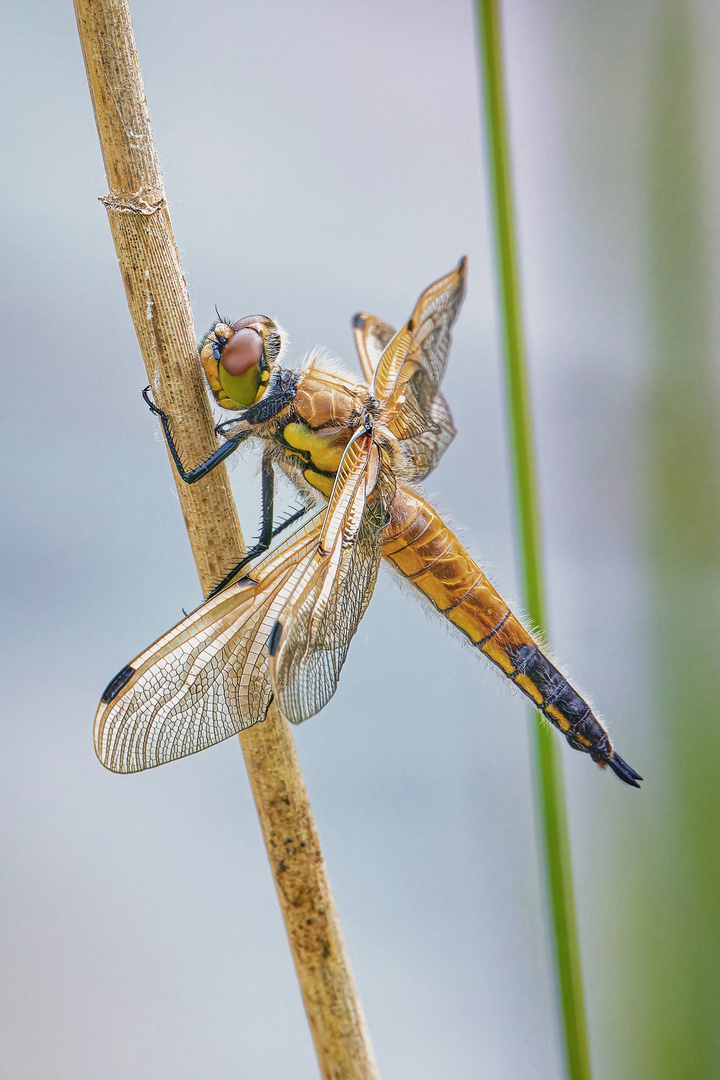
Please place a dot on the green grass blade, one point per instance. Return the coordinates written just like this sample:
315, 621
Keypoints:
549, 783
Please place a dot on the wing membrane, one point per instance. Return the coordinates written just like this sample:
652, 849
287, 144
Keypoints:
207, 678
372, 336
424, 425
423, 343
409, 372
323, 614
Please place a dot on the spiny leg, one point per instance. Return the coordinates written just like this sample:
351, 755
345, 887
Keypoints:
193, 475
267, 532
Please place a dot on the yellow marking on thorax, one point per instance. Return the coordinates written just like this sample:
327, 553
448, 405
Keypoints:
325, 450
321, 483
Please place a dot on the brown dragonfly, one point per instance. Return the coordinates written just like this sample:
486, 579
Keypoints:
281, 622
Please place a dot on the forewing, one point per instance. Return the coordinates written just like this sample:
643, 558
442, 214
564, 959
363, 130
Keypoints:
411, 369
423, 343
207, 678
372, 336
322, 615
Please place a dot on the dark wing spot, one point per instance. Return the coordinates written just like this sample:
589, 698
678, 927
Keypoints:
115, 685
274, 639
358, 322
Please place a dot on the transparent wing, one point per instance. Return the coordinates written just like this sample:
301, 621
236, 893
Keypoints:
423, 343
424, 426
285, 630
322, 615
372, 336
408, 375
207, 678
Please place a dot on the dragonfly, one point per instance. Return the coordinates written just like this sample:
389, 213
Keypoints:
280, 624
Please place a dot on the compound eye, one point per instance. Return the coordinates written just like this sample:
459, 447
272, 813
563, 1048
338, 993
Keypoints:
243, 351
239, 368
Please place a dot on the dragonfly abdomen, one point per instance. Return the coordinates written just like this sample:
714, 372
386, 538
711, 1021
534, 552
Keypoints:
430, 556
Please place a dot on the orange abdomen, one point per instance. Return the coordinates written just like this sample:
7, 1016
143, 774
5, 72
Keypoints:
428, 554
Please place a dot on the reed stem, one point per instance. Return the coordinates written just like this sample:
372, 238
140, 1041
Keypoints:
160, 308
549, 786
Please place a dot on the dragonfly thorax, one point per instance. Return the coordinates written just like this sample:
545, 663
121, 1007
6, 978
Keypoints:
311, 435
325, 400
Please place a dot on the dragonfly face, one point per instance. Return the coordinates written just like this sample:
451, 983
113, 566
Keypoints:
355, 452
237, 358
306, 420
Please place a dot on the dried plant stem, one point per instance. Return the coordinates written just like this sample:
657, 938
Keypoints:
549, 783
160, 308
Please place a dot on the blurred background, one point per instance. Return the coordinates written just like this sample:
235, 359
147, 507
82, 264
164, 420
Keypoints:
320, 159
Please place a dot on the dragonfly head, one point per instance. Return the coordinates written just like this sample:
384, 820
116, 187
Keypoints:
238, 359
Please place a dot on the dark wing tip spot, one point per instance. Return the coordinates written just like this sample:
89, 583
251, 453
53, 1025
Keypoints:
274, 639
115, 685
358, 321
624, 771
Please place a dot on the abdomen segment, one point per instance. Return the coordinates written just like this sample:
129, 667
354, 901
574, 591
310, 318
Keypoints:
428, 554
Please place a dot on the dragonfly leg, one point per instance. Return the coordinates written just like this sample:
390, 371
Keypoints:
191, 476
267, 532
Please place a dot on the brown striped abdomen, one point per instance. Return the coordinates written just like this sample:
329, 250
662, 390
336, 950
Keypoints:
428, 554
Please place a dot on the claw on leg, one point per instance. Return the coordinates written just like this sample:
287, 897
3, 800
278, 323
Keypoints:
151, 404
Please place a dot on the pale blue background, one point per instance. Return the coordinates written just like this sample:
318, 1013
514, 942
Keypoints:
321, 158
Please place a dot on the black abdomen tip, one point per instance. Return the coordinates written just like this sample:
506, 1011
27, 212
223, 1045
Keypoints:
623, 771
